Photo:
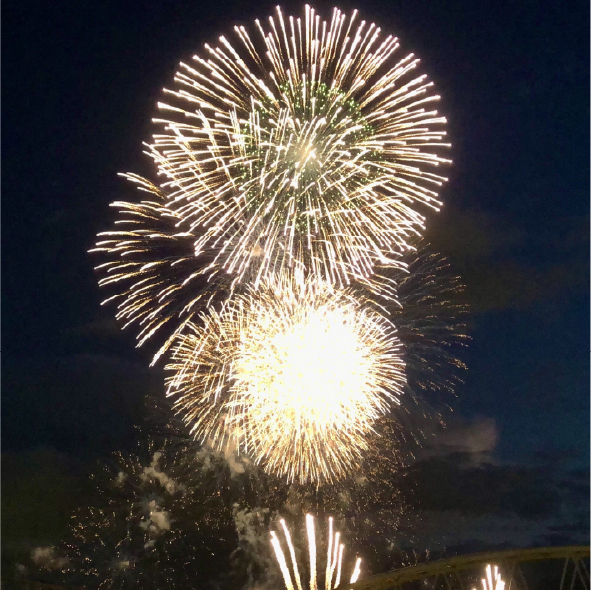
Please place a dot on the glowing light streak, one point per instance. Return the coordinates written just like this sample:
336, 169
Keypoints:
492, 579
334, 558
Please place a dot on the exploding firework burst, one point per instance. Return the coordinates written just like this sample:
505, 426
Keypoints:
311, 151
334, 559
294, 372
309, 145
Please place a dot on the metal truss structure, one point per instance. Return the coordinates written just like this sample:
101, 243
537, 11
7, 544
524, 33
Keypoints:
546, 568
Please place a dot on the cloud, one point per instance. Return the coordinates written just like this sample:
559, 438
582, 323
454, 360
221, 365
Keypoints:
252, 528
474, 439
480, 505
499, 507
157, 520
106, 327
509, 284
40, 490
154, 472
449, 483
500, 263
468, 235
230, 453
47, 558
457, 531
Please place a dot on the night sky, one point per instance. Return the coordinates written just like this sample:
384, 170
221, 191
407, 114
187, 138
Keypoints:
80, 84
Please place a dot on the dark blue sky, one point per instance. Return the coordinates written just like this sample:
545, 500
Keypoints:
80, 81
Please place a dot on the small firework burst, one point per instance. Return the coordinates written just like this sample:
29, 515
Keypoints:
153, 267
431, 319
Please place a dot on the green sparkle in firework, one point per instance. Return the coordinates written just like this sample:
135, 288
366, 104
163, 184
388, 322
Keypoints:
311, 151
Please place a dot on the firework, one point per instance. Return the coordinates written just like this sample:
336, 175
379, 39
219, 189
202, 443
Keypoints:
425, 300
493, 580
430, 312
158, 278
308, 148
154, 525
431, 319
107, 551
308, 145
294, 372
334, 558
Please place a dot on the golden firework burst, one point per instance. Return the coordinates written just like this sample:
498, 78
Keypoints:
294, 372
310, 145
152, 266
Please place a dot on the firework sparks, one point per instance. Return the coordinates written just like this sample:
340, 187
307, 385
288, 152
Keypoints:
153, 266
295, 372
334, 558
431, 320
153, 509
493, 580
426, 302
308, 146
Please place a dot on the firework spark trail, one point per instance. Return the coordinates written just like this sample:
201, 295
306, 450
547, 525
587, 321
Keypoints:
334, 558
430, 313
493, 580
292, 555
153, 266
294, 372
312, 551
311, 150
281, 560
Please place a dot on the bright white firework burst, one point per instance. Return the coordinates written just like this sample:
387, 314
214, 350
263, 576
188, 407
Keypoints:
294, 372
309, 146
334, 558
